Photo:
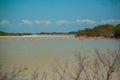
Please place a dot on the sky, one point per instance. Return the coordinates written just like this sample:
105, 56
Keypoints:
56, 15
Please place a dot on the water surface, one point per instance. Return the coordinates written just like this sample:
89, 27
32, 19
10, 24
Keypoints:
43, 50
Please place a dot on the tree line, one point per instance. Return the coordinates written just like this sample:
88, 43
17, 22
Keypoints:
72, 32
105, 30
13, 34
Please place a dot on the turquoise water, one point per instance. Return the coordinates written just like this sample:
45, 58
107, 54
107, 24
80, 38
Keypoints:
43, 50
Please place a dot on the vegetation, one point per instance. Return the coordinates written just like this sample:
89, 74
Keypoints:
13, 34
105, 66
15, 74
73, 32
105, 30
117, 31
86, 32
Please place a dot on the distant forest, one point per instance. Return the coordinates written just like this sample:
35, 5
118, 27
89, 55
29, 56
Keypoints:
106, 30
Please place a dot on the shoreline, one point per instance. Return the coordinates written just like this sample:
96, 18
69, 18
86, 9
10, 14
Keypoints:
61, 35
38, 36
95, 38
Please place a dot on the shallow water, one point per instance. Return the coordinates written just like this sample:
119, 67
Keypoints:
43, 50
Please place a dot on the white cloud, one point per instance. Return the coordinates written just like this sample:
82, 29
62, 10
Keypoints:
37, 22
25, 21
78, 21
60, 22
4, 22
111, 20
46, 22
86, 21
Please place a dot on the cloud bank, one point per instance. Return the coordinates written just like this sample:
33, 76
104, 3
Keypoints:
25, 21
5, 22
45, 22
86, 21
111, 20
60, 22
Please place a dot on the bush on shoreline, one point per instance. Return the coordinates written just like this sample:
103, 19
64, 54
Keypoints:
106, 30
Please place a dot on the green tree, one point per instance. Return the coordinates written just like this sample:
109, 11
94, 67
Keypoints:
117, 31
86, 32
105, 30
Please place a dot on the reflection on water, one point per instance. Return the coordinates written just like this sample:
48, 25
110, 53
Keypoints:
45, 49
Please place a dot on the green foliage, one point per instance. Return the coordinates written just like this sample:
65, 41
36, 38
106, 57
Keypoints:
13, 34
117, 31
86, 31
105, 30
73, 32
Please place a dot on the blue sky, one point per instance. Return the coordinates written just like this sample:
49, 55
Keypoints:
56, 15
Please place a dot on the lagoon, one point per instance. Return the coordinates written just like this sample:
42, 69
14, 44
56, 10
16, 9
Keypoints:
44, 50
